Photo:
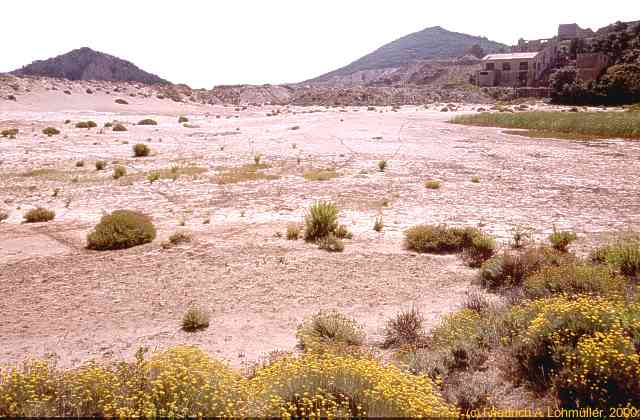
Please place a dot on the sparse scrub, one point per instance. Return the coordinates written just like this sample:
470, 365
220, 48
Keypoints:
119, 127
50, 131
147, 121
86, 124
38, 215
121, 102
341, 232
330, 243
404, 329
560, 240
320, 221
120, 230
182, 120
195, 319
439, 238
293, 231
4, 215
326, 329
245, 173
475, 179
623, 256
382, 165
320, 174
100, 165
482, 248
119, 171
572, 279
9, 132
141, 150
433, 184
378, 224
521, 236
80, 164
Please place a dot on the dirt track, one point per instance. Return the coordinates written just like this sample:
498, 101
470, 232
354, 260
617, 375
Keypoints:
57, 297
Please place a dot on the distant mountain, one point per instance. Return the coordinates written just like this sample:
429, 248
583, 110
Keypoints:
433, 43
87, 64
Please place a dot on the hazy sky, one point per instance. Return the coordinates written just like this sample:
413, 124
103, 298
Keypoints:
206, 43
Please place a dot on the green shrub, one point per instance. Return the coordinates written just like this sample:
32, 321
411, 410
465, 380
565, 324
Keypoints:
509, 269
482, 248
38, 215
573, 278
320, 220
561, 240
293, 231
120, 230
100, 165
141, 150
119, 171
86, 124
147, 121
622, 256
433, 184
183, 120
195, 319
439, 238
325, 329
119, 127
406, 328
51, 131
382, 165
330, 243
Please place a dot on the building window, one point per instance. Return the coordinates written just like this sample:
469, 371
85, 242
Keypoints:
490, 66
524, 65
506, 66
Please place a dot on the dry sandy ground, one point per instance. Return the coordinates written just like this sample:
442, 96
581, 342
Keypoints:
56, 297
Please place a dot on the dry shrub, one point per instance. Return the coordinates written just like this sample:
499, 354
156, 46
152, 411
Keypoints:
119, 127
141, 150
4, 215
320, 174
622, 256
440, 238
100, 165
406, 328
119, 171
378, 224
121, 102
573, 278
561, 240
50, 131
433, 184
147, 121
86, 124
120, 230
330, 243
341, 232
321, 220
38, 215
293, 231
195, 319
9, 132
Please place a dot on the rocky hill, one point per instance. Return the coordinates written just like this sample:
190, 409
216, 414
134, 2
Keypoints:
87, 64
434, 43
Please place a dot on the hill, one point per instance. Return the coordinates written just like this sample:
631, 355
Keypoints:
87, 64
434, 43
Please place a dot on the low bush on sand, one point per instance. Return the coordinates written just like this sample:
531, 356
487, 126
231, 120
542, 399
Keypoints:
622, 256
404, 329
50, 131
86, 124
147, 121
293, 231
9, 132
38, 215
320, 174
119, 171
321, 220
100, 165
141, 150
441, 239
330, 243
119, 127
121, 229
325, 329
560, 240
195, 319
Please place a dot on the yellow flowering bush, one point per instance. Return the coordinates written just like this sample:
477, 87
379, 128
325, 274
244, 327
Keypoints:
326, 385
554, 339
26, 390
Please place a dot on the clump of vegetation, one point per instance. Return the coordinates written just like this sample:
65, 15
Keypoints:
80, 164
509, 269
9, 132
147, 121
293, 231
120, 230
195, 319
121, 102
325, 329
183, 119
177, 238
382, 165
86, 124
100, 165
482, 248
622, 256
141, 150
4, 215
153, 177
521, 236
563, 125
257, 158
38, 215
119, 171
320, 221
119, 127
560, 240
245, 173
378, 224
320, 174
405, 329
572, 279
50, 131
341, 232
108, 125
475, 179
330, 243
442, 239
433, 184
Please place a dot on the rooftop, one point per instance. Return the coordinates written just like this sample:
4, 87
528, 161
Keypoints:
510, 56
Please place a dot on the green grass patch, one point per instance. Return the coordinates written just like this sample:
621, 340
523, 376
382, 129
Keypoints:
563, 125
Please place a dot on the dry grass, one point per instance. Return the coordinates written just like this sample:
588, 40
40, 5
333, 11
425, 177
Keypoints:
320, 174
245, 173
